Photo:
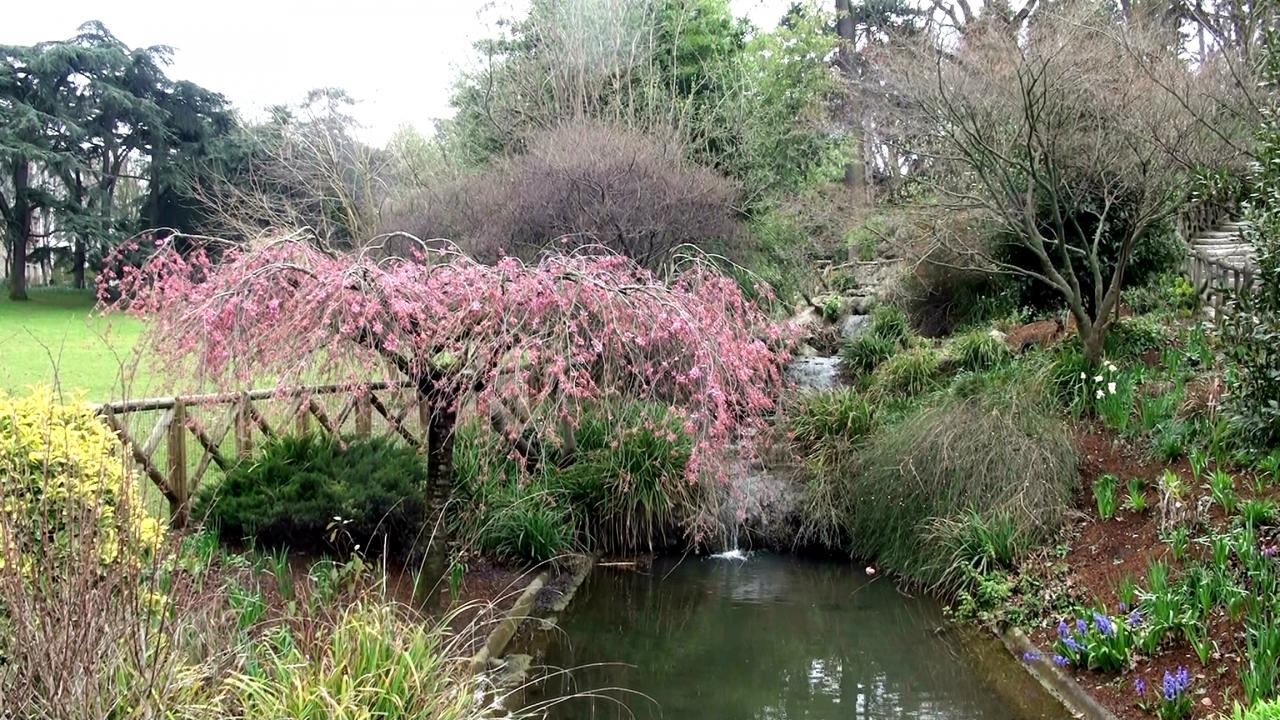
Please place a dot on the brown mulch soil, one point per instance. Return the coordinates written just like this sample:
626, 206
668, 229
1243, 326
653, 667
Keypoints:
1101, 554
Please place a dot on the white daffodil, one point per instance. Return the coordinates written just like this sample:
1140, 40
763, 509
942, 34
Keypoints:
1111, 388
1099, 394
1097, 378
1111, 367
1083, 376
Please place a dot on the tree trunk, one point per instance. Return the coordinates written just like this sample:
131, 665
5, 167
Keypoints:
1091, 339
441, 423
77, 264
19, 230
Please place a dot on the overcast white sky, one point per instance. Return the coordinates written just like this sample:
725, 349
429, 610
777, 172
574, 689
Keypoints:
396, 57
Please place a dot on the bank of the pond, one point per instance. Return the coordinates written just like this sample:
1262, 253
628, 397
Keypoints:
784, 636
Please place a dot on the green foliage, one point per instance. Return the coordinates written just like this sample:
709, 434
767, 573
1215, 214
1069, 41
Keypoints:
1164, 293
1104, 494
910, 373
1264, 710
624, 490
1257, 512
817, 417
977, 350
975, 546
971, 479
315, 490
1132, 336
1251, 333
861, 355
1222, 487
890, 323
1136, 497
372, 664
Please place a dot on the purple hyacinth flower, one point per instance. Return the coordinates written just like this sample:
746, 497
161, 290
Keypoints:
1103, 623
1060, 661
1081, 627
1030, 656
1134, 619
1139, 687
1071, 644
1063, 630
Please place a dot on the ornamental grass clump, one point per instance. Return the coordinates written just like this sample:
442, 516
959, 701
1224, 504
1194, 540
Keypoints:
910, 373
977, 351
907, 495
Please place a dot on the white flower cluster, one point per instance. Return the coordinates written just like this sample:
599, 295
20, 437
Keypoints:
1104, 385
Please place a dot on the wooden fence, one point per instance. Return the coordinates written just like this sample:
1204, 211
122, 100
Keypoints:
1217, 281
176, 440
1214, 280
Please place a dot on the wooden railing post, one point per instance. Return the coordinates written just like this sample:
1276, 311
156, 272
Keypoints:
176, 446
364, 415
244, 428
302, 421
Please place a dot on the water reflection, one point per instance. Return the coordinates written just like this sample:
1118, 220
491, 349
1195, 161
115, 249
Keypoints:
774, 638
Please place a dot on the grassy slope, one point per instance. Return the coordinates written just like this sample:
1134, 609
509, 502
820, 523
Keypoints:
57, 329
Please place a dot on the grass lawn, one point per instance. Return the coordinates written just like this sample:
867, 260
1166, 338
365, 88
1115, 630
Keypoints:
56, 334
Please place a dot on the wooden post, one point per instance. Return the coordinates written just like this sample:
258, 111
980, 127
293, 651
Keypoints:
244, 428
302, 421
176, 445
364, 415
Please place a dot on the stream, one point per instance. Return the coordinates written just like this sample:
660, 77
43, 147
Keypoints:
771, 638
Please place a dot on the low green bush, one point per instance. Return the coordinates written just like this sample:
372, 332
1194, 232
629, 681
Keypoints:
316, 491
1130, 337
1164, 293
910, 373
977, 350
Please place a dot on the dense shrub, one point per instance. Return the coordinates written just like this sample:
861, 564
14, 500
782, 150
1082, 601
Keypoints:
1167, 292
909, 373
1252, 331
1000, 457
1132, 336
313, 490
583, 184
63, 476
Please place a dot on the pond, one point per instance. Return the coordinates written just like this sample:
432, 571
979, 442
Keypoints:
772, 638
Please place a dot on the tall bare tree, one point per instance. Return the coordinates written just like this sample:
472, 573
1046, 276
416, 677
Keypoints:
1066, 138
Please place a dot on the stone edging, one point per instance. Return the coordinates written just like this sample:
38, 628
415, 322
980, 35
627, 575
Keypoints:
525, 606
496, 644
1058, 683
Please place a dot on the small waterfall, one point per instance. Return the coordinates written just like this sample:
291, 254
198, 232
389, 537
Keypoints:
815, 373
757, 501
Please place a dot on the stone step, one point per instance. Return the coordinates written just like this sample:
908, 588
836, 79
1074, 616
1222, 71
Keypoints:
1218, 242
1219, 236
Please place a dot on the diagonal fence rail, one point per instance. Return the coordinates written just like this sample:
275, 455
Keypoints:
177, 441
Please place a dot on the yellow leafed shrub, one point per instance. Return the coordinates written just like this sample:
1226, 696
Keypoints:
64, 478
